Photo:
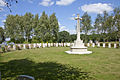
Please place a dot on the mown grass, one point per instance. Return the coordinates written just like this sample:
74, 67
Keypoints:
54, 64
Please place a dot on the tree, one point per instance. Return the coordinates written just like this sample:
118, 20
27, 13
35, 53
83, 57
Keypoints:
104, 26
2, 37
43, 29
54, 27
10, 27
28, 25
86, 24
110, 27
63, 36
73, 37
117, 21
97, 25
35, 25
14, 28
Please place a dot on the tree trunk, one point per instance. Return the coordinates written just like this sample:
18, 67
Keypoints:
27, 39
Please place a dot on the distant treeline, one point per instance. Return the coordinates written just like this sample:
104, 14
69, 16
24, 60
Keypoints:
34, 29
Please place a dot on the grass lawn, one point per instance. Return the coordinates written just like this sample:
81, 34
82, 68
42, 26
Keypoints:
54, 64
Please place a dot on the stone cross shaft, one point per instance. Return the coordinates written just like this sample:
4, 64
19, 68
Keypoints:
78, 27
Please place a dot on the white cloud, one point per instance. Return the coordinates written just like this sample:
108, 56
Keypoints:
64, 2
96, 8
3, 20
59, 23
64, 28
46, 3
2, 3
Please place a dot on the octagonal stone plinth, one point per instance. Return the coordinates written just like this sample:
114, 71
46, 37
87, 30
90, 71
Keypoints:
78, 50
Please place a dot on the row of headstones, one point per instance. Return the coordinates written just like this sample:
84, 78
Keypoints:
104, 45
39, 45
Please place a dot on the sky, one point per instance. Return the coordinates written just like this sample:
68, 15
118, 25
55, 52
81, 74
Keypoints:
65, 10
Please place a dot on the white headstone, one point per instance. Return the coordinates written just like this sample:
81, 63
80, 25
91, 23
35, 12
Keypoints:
14, 47
93, 44
109, 45
48, 44
56, 44
24, 46
39, 45
98, 44
104, 45
68, 44
43, 45
88, 44
51, 44
115, 45
34, 45
29, 46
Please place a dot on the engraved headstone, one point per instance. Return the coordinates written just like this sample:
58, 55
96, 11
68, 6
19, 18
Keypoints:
29, 46
115, 45
93, 44
24, 46
104, 45
98, 45
88, 44
14, 47
109, 45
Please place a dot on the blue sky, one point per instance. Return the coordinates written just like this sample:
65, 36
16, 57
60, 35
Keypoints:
65, 10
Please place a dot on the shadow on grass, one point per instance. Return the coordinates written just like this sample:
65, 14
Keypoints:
41, 71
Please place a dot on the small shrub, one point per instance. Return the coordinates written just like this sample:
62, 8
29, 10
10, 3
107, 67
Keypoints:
3, 49
106, 45
27, 46
21, 46
112, 44
101, 44
17, 47
117, 45
31, 46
